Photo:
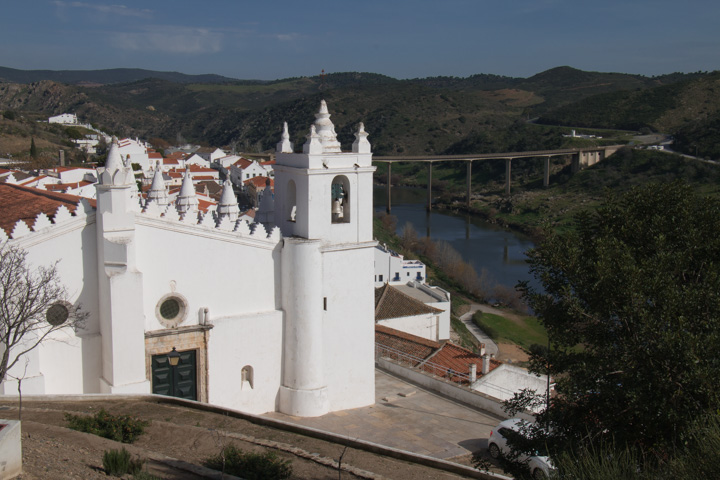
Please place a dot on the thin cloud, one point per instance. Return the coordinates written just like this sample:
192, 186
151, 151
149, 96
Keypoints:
166, 39
121, 10
286, 37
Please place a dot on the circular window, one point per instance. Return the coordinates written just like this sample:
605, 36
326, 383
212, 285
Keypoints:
171, 310
57, 314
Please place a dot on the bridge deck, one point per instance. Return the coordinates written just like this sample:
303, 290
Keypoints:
490, 156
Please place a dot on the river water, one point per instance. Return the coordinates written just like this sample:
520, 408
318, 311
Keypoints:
501, 253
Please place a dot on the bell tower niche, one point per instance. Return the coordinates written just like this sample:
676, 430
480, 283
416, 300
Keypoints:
324, 193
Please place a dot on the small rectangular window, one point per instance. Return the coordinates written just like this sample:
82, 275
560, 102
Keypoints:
325, 303
381, 278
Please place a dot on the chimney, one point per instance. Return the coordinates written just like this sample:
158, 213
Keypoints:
486, 364
473, 372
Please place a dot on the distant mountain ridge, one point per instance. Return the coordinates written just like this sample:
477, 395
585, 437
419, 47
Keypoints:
481, 113
104, 77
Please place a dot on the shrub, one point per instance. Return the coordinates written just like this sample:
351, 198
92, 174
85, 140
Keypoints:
119, 462
121, 428
249, 465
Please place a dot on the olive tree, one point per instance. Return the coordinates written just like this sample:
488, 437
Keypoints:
33, 305
631, 302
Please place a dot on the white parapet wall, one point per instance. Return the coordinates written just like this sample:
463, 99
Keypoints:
449, 389
10, 449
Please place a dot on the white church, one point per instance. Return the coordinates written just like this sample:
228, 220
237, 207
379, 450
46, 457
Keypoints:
263, 315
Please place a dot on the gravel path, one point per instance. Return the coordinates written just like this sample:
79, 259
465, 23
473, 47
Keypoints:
491, 347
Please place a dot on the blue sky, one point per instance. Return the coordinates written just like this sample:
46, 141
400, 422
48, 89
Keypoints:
266, 39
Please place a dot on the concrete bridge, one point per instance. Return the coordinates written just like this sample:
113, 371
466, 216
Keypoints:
581, 158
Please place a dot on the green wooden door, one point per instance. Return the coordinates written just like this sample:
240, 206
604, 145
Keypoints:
179, 381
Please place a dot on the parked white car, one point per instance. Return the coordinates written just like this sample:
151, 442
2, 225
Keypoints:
539, 464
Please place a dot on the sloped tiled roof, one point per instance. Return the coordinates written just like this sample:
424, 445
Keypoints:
259, 182
60, 187
406, 343
458, 359
25, 203
243, 163
392, 303
199, 168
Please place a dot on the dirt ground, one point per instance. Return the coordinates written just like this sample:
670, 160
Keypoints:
511, 353
179, 439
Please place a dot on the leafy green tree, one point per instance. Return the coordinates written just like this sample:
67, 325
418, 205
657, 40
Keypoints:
74, 133
33, 148
631, 301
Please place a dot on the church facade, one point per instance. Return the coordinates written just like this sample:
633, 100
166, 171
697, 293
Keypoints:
262, 315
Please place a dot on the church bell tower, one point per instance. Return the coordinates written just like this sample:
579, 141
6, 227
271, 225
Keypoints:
323, 206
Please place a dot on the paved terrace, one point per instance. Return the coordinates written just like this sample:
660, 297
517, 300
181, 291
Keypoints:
409, 418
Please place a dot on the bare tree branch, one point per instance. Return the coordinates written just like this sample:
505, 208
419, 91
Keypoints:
33, 305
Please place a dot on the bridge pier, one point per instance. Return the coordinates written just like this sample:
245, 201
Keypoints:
389, 196
429, 187
469, 182
575, 163
546, 176
507, 175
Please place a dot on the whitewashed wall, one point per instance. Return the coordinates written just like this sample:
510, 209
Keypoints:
254, 340
349, 332
60, 365
210, 268
424, 325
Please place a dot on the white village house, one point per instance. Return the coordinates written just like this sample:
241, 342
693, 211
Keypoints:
263, 315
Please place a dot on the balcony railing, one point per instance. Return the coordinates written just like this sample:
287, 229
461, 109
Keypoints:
417, 363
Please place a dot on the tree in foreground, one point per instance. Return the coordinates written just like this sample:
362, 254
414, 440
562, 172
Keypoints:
631, 302
32, 306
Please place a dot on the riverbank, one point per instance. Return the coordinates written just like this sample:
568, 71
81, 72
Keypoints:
467, 292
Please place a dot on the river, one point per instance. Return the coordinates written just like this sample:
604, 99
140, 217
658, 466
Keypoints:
500, 252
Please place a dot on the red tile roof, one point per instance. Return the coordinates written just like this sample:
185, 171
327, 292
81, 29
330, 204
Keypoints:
392, 303
204, 205
199, 168
453, 358
25, 203
259, 182
61, 187
418, 347
243, 163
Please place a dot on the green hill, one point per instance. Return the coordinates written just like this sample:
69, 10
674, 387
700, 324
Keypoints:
479, 113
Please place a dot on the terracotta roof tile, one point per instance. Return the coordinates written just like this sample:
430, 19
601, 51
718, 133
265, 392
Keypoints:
259, 182
455, 358
25, 203
392, 303
198, 168
418, 347
243, 163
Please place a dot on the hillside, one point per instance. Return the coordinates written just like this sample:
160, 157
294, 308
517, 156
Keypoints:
531, 206
103, 77
479, 113
688, 109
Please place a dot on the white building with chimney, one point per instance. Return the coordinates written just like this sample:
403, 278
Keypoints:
157, 276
